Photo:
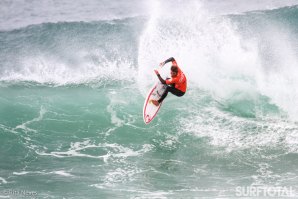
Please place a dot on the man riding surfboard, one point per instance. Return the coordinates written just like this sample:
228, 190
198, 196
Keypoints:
176, 85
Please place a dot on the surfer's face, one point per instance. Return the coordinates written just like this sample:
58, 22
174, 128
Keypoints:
174, 71
173, 74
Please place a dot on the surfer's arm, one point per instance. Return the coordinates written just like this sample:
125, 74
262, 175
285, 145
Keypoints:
171, 59
159, 77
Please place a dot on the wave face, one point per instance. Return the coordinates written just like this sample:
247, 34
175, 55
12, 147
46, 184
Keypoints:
70, 53
73, 86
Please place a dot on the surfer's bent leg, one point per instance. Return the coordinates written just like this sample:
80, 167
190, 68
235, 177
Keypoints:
172, 90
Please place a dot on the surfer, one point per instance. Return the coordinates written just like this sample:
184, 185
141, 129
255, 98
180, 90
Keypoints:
176, 85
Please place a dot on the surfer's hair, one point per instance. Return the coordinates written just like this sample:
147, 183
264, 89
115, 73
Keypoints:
174, 69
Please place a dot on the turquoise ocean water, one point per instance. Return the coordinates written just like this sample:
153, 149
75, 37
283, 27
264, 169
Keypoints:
73, 80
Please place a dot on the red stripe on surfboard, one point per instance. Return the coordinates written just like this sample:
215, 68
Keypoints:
145, 108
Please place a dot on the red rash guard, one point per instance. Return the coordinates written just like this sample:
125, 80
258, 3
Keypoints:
180, 80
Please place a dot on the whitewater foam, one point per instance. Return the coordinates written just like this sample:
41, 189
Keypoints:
208, 49
24, 125
112, 151
3, 181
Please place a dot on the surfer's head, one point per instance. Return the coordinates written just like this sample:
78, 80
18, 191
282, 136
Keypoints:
174, 71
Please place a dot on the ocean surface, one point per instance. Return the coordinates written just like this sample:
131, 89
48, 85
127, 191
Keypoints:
74, 76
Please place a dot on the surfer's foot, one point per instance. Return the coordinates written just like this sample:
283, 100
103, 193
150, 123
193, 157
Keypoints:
155, 102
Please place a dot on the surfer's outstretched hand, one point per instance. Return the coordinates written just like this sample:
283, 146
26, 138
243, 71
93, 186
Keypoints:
162, 64
156, 72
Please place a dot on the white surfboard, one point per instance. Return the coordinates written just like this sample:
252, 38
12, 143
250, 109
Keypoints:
149, 109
